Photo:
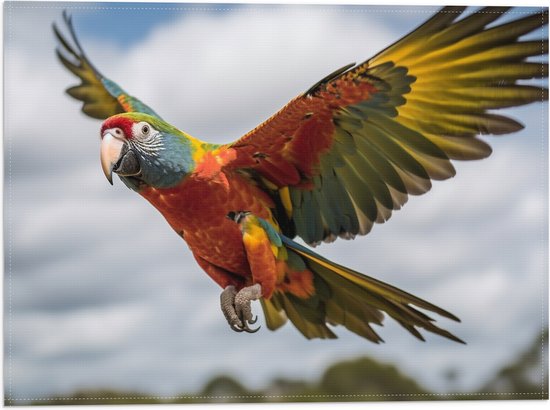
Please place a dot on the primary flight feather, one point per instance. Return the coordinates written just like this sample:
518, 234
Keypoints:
335, 160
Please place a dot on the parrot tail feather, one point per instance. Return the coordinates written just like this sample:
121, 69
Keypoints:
348, 298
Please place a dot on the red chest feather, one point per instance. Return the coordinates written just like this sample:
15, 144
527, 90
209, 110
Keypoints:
198, 209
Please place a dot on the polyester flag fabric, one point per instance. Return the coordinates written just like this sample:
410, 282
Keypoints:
308, 203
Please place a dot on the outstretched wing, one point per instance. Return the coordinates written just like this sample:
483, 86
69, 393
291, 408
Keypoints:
350, 150
101, 97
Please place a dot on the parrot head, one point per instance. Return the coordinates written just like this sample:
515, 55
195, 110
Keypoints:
144, 150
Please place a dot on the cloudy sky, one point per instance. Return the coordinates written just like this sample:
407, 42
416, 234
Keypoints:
101, 293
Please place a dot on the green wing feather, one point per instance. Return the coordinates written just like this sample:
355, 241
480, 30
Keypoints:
100, 96
355, 301
274, 317
342, 297
435, 89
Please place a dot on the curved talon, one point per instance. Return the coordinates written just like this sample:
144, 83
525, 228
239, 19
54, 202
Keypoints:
236, 307
236, 328
249, 330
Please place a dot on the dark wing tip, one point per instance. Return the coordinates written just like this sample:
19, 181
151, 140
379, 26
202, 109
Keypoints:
328, 78
74, 48
453, 9
456, 339
449, 315
68, 18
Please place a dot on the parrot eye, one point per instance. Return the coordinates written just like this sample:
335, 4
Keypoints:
143, 131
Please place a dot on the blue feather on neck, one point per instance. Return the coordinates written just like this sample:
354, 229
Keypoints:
164, 167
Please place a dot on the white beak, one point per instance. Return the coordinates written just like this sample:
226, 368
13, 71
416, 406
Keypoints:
111, 147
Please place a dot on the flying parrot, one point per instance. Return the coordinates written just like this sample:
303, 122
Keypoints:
334, 161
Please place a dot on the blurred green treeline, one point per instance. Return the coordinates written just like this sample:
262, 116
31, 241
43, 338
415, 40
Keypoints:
362, 379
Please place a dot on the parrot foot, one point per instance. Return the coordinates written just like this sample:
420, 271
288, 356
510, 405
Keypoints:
236, 307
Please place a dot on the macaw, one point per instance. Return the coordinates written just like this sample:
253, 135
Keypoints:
334, 161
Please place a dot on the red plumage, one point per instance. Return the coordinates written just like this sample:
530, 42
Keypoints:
331, 163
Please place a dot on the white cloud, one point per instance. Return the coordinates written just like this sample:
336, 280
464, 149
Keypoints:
91, 329
88, 256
